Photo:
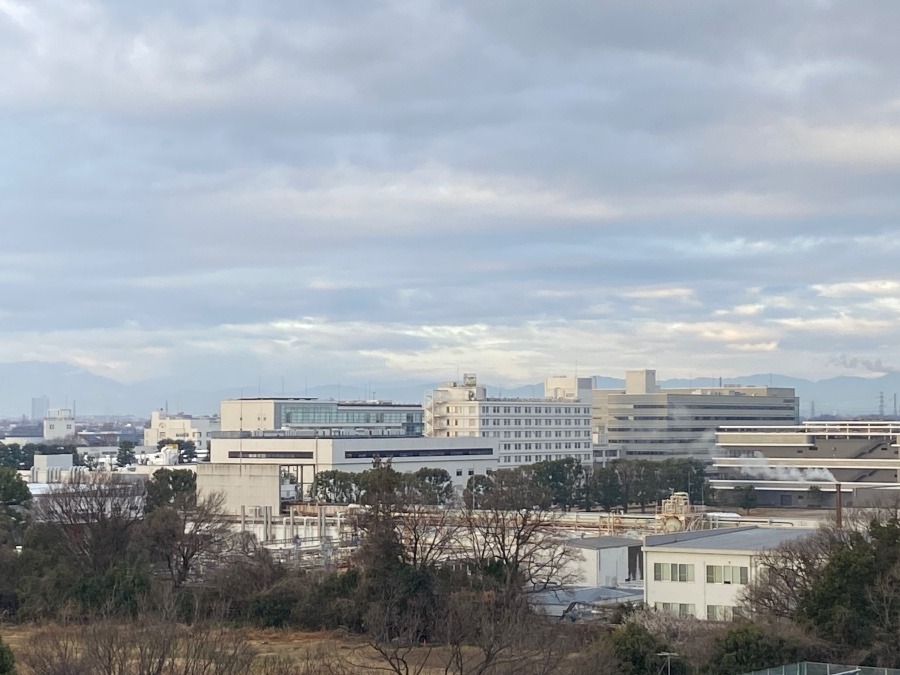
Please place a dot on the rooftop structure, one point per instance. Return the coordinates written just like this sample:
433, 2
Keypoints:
644, 421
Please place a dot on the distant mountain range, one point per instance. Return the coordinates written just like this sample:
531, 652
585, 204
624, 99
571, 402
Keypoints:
68, 386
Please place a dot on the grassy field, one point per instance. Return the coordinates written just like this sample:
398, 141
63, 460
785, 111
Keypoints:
275, 647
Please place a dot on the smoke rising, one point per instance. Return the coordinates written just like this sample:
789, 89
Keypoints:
759, 467
855, 362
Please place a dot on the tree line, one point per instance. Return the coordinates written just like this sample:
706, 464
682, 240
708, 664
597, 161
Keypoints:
565, 483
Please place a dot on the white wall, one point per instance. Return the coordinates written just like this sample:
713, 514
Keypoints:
698, 592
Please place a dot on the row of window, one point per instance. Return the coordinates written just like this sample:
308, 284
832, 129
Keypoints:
526, 422
568, 445
673, 572
715, 574
536, 434
546, 410
530, 459
713, 612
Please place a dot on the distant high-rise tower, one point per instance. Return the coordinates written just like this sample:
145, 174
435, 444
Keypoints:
39, 408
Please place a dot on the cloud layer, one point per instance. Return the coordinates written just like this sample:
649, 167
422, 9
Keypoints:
379, 191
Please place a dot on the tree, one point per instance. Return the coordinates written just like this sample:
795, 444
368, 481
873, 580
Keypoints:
96, 514
335, 487
125, 455
747, 647
629, 473
605, 489
187, 452
814, 496
636, 650
7, 661
511, 536
168, 485
786, 574
434, 486
190, 528
745, 497
683, 475
13, 490
563, 478
646, 486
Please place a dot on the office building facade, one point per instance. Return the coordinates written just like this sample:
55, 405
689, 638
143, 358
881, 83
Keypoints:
644, 421
527, 430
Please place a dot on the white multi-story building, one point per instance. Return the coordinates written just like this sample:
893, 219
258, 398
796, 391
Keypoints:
181, 427
644, 421
702, 573
528, 430
59, 424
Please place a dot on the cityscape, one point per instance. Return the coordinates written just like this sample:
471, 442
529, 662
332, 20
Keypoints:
449, 338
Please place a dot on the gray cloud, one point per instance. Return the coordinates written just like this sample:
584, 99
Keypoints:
391, 189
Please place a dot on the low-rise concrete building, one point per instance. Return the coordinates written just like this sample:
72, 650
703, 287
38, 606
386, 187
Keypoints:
702, 573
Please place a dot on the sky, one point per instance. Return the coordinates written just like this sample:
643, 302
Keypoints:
358, 191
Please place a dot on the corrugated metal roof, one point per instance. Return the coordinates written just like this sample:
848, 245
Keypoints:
598, 543
738, 539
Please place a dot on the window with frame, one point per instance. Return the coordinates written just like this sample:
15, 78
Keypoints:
723, 613
676, 608
727, 574
680, 572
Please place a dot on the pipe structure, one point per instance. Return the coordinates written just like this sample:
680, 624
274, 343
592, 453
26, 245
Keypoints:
838, 506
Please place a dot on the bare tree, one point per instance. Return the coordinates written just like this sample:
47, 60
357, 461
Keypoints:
157, 647
97, 512
191, 528
428, 534
515, 530
487, 632
786, 573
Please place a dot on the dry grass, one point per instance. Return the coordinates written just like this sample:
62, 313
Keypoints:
271, 645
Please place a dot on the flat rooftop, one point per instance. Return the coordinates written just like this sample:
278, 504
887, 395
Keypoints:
731, 539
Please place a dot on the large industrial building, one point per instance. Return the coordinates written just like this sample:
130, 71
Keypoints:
783, 463
643, 421
527, 430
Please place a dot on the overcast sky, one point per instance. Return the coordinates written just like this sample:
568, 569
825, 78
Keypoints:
352, 191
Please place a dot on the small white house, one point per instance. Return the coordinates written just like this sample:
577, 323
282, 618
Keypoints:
702, 573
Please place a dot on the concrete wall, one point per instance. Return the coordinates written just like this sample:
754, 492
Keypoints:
247, 414
245, 485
